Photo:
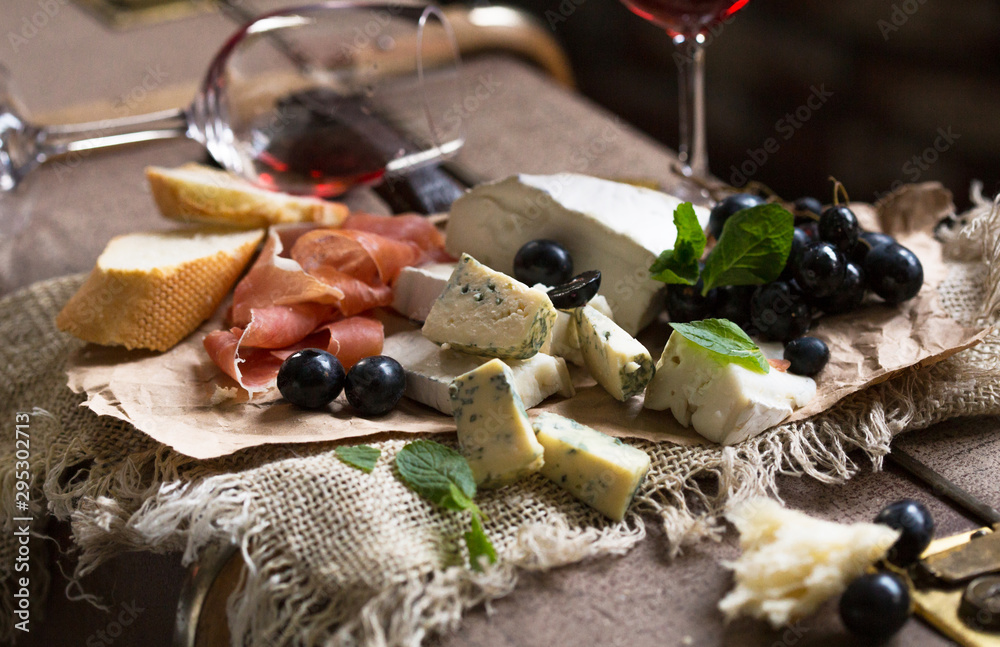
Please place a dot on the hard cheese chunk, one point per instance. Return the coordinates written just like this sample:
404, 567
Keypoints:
563, 340
417, 288
792, 563
494, 433
618, 361
430, 370
608, 226
723, 401
601, 471
485, 312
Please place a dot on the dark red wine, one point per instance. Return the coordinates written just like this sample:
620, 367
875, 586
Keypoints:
322, 145
685, 17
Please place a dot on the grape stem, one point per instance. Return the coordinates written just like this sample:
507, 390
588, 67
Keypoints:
838, 188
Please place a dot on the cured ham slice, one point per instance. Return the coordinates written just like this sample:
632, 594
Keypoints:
411, 227
307, 287
256, 369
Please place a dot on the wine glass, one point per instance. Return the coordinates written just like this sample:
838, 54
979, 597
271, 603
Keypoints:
687, 22
309, 100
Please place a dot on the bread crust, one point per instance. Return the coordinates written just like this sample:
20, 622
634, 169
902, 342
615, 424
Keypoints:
220, 198
157, 308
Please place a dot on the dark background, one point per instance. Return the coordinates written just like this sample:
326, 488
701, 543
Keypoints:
899, 71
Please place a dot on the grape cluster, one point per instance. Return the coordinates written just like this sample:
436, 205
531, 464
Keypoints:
832, 265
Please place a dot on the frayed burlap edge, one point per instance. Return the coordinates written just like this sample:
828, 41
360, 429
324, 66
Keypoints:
155, 499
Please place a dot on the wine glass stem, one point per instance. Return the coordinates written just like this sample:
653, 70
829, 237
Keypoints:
690, 58
70, 138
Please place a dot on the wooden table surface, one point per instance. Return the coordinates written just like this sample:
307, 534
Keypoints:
69, 210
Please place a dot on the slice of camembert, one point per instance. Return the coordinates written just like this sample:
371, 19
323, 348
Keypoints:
618, 361
485, 312
616, 228
430, 370
601, 471
722, 400
417, 288
494, 433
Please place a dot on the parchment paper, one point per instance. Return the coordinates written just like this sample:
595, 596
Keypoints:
169, 396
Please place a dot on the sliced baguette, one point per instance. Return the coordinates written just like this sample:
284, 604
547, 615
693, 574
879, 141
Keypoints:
151, 290
198, 193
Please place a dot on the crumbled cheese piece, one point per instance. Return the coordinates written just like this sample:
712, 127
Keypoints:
792, 563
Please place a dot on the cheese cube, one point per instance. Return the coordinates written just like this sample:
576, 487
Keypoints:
494, 433
618, 361
601, 471
485, 312
563, 340
430, 370
608, 226
723, 401
417, 288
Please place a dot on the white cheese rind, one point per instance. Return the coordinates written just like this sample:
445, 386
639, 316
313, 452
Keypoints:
608, 226
601, 471
485, 312
494, 433
417, 288
792, 563
722, 401
618, 361
430, 369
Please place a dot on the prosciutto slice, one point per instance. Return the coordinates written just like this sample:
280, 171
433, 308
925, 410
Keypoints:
307, 288
256, 369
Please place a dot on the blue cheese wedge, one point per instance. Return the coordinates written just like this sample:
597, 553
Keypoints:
417, 288
601, 471
608, 226
618, 361
722, 401
485, 312
430, 370
494, 433
563, 340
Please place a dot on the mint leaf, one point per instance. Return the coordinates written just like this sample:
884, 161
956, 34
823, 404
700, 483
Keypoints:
752, 249
362, 457
680, 264
727, 339
442, 475
437, 473
479, 544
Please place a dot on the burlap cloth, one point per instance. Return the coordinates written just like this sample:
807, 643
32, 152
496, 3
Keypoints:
337, 556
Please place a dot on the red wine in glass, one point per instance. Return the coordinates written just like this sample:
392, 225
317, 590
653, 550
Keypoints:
686, 21
686, 17
322, 145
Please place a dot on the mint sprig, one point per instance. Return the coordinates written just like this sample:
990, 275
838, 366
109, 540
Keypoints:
362, 457
727, 339
442, 475
680, 264
752, 249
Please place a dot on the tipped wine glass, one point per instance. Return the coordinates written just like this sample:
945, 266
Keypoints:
687, 22
309, 100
